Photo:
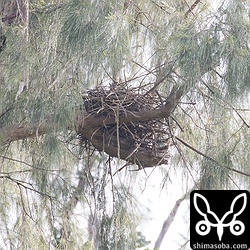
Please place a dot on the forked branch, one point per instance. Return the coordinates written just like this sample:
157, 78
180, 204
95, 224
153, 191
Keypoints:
137, 127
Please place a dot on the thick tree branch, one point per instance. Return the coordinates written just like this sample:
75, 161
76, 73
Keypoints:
90, 126
167, 223
86, 124
22, 131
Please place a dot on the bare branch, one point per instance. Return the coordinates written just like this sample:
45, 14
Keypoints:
27, 186
210, 158
167, 223
192, 7
85, 123
22, 131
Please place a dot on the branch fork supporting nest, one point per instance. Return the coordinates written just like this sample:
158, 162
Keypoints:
145, 143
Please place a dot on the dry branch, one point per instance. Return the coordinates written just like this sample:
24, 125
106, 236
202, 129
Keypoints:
130, 124
125, 124
167, 223
192, 7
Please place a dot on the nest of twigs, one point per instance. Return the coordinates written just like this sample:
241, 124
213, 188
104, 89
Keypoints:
145, 143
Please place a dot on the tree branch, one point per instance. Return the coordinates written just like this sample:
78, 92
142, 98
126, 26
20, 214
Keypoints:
192, 7
22, 131
86, 124
210, 158
167, 223
91, 126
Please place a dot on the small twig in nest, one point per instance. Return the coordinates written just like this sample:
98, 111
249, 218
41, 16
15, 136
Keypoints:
132, 141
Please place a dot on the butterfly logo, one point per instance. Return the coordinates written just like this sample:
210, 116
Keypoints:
203, 227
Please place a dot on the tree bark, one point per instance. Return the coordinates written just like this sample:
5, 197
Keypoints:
89, 126
86, 123
22, 131
167, 223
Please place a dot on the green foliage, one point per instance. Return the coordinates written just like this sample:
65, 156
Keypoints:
141, 241
69, 47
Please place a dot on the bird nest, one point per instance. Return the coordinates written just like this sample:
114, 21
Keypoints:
144, 143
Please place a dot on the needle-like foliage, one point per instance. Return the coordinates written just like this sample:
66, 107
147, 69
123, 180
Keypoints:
61, 186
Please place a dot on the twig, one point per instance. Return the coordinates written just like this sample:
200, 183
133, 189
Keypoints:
167, 223
6, 111
192, 7
167, 72
243, 120
27, 164
15, 160
210, 158
26, 185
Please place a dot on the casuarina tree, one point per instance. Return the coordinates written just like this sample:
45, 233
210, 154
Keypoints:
95, 93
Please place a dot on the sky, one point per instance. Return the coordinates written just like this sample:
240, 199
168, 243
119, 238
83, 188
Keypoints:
160, 202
